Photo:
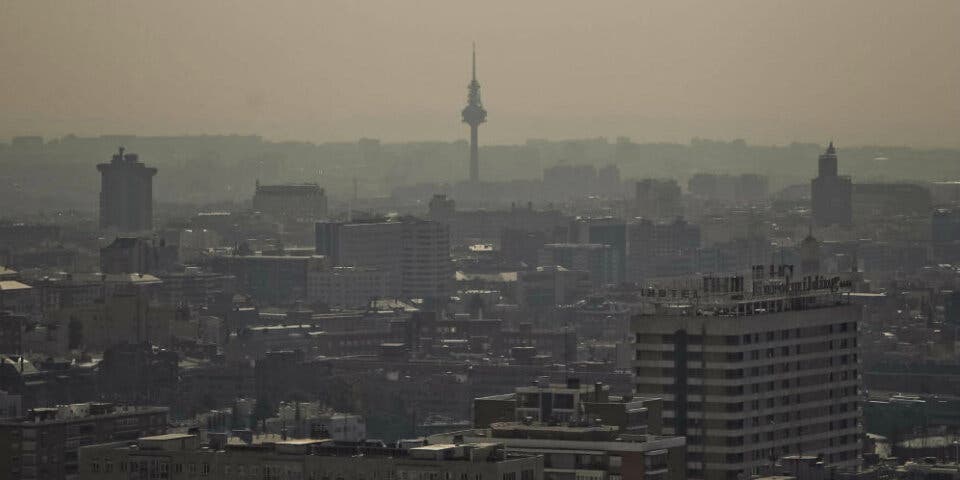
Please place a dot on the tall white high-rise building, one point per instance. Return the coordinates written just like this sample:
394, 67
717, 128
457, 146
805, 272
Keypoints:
413, 253
425, 265
753, 369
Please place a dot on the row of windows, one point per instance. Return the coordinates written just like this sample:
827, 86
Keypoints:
751, 338
783, 351
798, 399
755, 388
776, 435
773, 369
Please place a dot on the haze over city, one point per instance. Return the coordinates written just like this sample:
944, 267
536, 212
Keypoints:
864, 72
445, 240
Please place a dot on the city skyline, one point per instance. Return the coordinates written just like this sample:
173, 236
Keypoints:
701, 240
765, 72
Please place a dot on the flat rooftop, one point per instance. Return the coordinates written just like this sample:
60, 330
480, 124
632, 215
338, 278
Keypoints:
169, 436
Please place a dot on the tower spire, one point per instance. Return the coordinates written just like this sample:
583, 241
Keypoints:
474, 77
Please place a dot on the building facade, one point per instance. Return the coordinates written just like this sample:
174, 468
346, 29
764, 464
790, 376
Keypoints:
598, 259
44, 445
548, 287
274, 279
660, 249
347, 286
413, 253
752, 376
425, 266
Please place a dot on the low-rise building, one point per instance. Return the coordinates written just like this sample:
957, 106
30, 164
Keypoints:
136, 255
547, 287
195, 287
44, 445
582, 431
180, 456
272, 279
302, 419
598, 259
347, 286
586, 451
563, 402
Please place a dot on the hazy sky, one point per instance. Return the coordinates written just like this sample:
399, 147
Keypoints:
870, 71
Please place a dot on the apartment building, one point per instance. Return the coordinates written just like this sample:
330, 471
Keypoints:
753, 369
44, 444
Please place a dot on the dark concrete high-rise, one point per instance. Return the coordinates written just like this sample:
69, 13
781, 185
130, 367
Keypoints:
474, 114
831, 194
126, 193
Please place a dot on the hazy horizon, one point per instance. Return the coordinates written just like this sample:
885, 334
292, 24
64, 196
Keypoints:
862, 72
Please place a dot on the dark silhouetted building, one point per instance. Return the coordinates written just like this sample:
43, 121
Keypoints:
126, 193
729, 189
139, 374
810, 255
598, 259
831, 194
661, 249
136, 255
547, 287
273, 279
658, 199
11, 332
945, 234
293, 201
890, 199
